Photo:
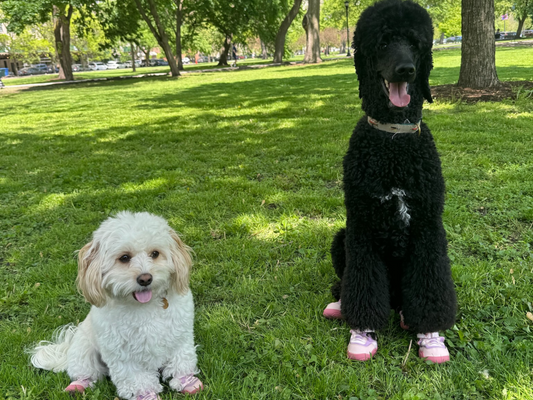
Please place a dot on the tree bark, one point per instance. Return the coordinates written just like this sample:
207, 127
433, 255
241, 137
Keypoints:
264, 53
179, 21
312, 49
146, 51
132, 55
521, 21
159, 33
522, 18
223, 61
478, 50
62, 41
279, 47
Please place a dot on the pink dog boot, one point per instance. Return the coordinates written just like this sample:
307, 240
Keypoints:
362, 346
148, 396
191, 384
78, 386
333, 310
432, 347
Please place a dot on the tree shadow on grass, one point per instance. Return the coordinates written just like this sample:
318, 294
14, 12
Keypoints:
209, 175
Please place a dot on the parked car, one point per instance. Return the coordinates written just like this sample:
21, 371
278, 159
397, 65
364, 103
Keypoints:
158, 63
29, 71
507, 35
527, 33
97, 66
43, 68
112, 65
185, 60
77, 68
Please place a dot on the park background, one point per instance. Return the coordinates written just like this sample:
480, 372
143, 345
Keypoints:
246, 163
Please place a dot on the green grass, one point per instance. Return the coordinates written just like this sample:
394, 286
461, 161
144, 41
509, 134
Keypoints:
247, 166
28, 80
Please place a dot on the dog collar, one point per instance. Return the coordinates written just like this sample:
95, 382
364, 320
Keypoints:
395, 128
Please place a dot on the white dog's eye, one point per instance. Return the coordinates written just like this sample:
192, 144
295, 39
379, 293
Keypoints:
125, 258
154, 254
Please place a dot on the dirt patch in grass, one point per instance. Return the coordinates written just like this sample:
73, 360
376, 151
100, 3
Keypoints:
507, 90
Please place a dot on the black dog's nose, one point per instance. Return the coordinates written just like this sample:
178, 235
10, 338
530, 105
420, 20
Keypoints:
405, 70
144, 279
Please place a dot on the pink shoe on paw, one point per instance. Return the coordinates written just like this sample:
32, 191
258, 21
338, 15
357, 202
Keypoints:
78, 386
362, 346
191, 384
333, 310
432, 347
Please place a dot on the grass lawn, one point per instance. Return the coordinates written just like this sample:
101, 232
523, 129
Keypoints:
27, 80
247, 166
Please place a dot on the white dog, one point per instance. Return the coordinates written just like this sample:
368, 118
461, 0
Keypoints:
135, 273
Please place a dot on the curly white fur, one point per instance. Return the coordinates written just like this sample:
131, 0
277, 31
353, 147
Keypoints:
131, 341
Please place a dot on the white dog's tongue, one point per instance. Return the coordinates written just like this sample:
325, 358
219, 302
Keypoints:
398, 94
143, 297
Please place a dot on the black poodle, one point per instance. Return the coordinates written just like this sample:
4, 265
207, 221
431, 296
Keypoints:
392, 253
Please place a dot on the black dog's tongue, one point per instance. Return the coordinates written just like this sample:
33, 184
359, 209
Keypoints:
398, 94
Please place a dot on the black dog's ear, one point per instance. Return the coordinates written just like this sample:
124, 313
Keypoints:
426, 65
360, 62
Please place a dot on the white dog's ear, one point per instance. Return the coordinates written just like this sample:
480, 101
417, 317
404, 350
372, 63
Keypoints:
89, 279
180, 255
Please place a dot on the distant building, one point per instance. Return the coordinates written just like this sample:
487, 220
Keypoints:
5, 61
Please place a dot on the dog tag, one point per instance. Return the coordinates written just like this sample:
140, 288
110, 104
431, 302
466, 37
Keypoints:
165, 303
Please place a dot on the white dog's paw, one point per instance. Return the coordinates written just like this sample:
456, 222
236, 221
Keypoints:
186, 384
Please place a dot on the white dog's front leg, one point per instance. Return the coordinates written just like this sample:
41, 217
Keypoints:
133, 382
182, 364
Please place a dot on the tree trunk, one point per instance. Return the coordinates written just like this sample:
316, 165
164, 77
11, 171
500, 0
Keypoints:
312, 49
132, 55
223, 61
62, 41
521, 21
279, 47
478, 52
441, 39
179, 21
146, 51
264, 53
159, 33
14, 66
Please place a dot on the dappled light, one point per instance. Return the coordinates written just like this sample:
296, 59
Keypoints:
247, 167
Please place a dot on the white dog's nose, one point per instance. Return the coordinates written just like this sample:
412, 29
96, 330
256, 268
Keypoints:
144, 279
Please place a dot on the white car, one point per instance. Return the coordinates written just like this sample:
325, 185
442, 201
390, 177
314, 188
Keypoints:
185, 60
113, 65
97, 66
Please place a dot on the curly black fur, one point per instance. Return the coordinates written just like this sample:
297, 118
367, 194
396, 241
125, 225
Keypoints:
385, 260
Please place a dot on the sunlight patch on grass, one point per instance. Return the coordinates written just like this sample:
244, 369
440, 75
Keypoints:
131, 187
51, 201
247, 166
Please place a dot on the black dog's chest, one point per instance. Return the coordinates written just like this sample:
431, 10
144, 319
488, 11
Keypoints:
392, 180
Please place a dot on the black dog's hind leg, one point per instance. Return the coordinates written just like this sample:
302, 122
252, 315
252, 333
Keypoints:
429, 300
338, 257
365, 301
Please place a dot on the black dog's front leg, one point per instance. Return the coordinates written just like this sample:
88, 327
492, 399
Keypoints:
365, 294
429, 300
